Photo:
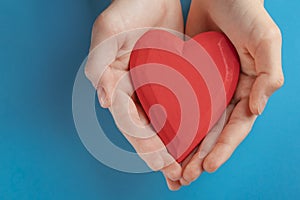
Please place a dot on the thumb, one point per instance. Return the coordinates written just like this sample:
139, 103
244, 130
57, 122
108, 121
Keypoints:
269, 69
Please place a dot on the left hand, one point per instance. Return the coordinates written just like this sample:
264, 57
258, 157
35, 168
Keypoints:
258, 42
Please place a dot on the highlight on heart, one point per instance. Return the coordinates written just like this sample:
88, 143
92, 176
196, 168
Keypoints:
168, 87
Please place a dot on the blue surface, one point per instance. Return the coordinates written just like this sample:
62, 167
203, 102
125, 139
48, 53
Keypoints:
42, 44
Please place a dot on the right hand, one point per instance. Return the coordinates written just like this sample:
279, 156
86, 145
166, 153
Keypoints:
108, 63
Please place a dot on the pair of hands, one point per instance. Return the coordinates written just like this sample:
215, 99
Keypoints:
253, 33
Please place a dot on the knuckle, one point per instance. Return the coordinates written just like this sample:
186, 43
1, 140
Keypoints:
280, 81
267, 38
272, 34
106, 23
277, 82
89, 73
100, 22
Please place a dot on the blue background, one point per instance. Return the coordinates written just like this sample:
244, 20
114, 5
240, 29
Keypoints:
42, 44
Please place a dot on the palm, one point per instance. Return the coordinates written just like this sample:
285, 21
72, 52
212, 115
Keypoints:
125, 20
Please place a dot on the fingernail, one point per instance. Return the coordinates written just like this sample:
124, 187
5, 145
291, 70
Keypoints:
262, 104
101, 96
202, 154
102, 101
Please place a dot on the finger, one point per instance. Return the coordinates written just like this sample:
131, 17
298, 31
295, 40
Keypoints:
107, 63
172, 174
98, 63
194, 168
105, 57
154, 153
192, 171
189, 157
105, 66
238, 127
142, 137
198, 20
104, 46
173, 185
156, 156
212, 137
268, 67
185, 163
128, 115
172, 171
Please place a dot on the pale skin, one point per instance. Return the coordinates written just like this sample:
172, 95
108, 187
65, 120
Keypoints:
257, 40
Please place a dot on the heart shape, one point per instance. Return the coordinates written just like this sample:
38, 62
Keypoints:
184, 86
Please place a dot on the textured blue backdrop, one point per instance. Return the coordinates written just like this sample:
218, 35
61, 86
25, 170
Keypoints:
42, 44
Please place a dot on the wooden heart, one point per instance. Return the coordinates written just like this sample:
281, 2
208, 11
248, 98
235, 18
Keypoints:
184, 86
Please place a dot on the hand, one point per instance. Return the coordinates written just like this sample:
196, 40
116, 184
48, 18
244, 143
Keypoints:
258, 42
107, 65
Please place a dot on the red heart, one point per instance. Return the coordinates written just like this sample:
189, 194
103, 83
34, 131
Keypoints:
184, 87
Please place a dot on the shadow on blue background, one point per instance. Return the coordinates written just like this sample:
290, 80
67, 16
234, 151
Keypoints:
41, 157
